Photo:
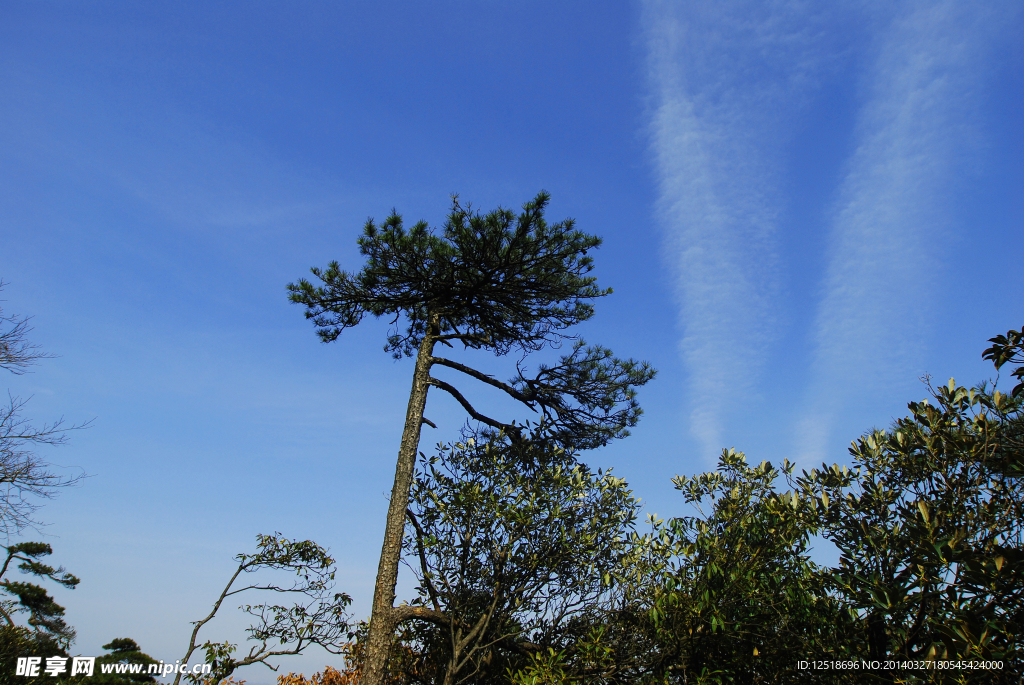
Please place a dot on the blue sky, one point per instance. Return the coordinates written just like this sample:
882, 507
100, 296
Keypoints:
805, 208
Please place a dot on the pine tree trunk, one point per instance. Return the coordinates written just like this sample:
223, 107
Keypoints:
382, 622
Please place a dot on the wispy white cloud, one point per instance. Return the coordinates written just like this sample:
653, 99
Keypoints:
723, 79
889, 224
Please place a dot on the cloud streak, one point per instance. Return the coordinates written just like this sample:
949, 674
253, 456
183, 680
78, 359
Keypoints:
730, 84
722, 83
890, 222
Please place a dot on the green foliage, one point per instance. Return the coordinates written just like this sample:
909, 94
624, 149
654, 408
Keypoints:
738, 598
1009, 348
499, 280
122, 650
492, 281
20, 641
45, 616
546, 667
511, 543
222, 664
587, 399
929, 524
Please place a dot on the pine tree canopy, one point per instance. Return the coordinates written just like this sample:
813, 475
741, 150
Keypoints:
496, 280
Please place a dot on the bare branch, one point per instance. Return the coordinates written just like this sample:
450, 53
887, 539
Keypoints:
24, 476
16, 352
406, 612
489, 380
510, 429
423, 559
192, 646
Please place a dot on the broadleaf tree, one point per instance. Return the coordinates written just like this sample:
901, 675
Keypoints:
928, 524
740, 599
316, 617
498, 281
928, 521
512, 544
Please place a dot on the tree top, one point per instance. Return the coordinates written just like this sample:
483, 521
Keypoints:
496, 280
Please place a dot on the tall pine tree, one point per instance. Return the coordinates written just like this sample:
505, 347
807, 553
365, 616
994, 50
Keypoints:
497, 281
